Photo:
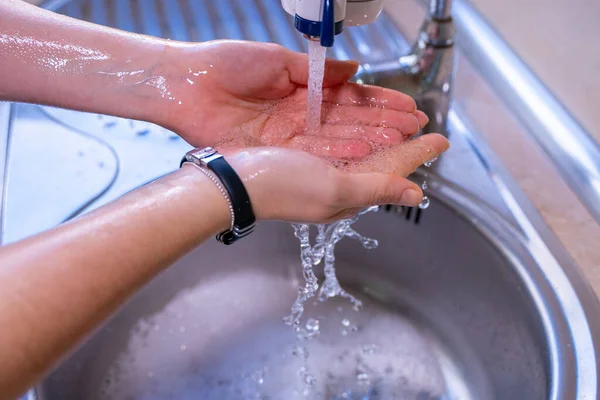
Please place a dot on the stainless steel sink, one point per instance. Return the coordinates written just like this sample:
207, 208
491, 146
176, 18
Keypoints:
455, 306
448, 302
471, 299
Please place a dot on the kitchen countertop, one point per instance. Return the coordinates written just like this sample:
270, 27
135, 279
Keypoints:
558, 40
527, 27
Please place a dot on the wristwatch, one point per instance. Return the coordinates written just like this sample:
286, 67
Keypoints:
231, 186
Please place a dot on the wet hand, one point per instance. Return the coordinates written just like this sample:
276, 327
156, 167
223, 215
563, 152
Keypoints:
295, 186
231, 93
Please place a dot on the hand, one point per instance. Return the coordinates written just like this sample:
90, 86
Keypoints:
295, 186
233, 93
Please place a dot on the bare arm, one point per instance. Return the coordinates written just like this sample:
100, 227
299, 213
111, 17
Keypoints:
209, 93
55, 60
57, 286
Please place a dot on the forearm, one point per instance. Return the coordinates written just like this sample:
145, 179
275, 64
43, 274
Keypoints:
60, 284
55, 60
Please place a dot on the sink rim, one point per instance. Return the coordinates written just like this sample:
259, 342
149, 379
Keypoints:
564, 280
535, 234
563, 357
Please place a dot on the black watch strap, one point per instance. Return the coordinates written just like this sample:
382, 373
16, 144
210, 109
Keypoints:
244, 220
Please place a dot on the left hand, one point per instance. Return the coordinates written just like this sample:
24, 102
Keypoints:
254, 94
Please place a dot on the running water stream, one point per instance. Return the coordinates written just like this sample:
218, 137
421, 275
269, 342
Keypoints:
327, 235
316, 68
323, 249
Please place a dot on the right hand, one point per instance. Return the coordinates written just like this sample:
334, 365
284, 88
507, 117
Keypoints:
294, 186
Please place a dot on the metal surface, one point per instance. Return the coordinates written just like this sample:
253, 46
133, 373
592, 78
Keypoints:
427, 71
487, 312
577, 299
440, 9
573, 150
494, 303
5, 118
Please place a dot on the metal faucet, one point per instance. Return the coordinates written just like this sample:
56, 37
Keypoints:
427, 72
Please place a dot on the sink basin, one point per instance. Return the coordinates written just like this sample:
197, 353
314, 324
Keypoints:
471, 299
448, 314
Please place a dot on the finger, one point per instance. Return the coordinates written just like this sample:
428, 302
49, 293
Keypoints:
370, 134
402, 159
336, 71
420, 150
329, 147
369, 96
370, 189
422, 118
405, 122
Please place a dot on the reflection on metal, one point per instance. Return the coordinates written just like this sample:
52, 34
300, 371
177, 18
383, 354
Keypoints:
426, 72
575, 153
5, 118
576, 298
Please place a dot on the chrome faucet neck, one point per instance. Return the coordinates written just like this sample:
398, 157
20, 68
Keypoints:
427, 71
440, 9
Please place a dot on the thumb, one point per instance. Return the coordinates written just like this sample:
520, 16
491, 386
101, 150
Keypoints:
336, 71
369, 189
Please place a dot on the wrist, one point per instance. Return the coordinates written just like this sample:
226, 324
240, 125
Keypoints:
204, 204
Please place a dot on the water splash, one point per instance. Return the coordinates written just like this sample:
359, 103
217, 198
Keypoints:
324, 250
425, 202
430, 162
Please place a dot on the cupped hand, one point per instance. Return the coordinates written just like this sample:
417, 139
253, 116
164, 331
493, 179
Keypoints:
296, 186
234, 93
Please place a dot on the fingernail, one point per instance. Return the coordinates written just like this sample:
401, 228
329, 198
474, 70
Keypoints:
411, 197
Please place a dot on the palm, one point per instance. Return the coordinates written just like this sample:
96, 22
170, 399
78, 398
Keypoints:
256, 94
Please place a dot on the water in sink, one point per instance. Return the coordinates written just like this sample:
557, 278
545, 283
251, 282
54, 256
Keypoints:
178, 354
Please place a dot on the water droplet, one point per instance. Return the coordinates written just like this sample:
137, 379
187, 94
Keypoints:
300, 351
259, 377
430, 162
156, 327
309, 379
182, 329
183, 347
362, 378
345, 322
312, 325
424, 185
370, 349
424, 203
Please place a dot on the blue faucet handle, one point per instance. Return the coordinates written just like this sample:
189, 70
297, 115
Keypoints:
328, 24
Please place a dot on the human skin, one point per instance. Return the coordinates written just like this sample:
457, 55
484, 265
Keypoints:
221, 92
59, 285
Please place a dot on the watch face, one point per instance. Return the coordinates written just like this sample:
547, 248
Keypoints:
203, 153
